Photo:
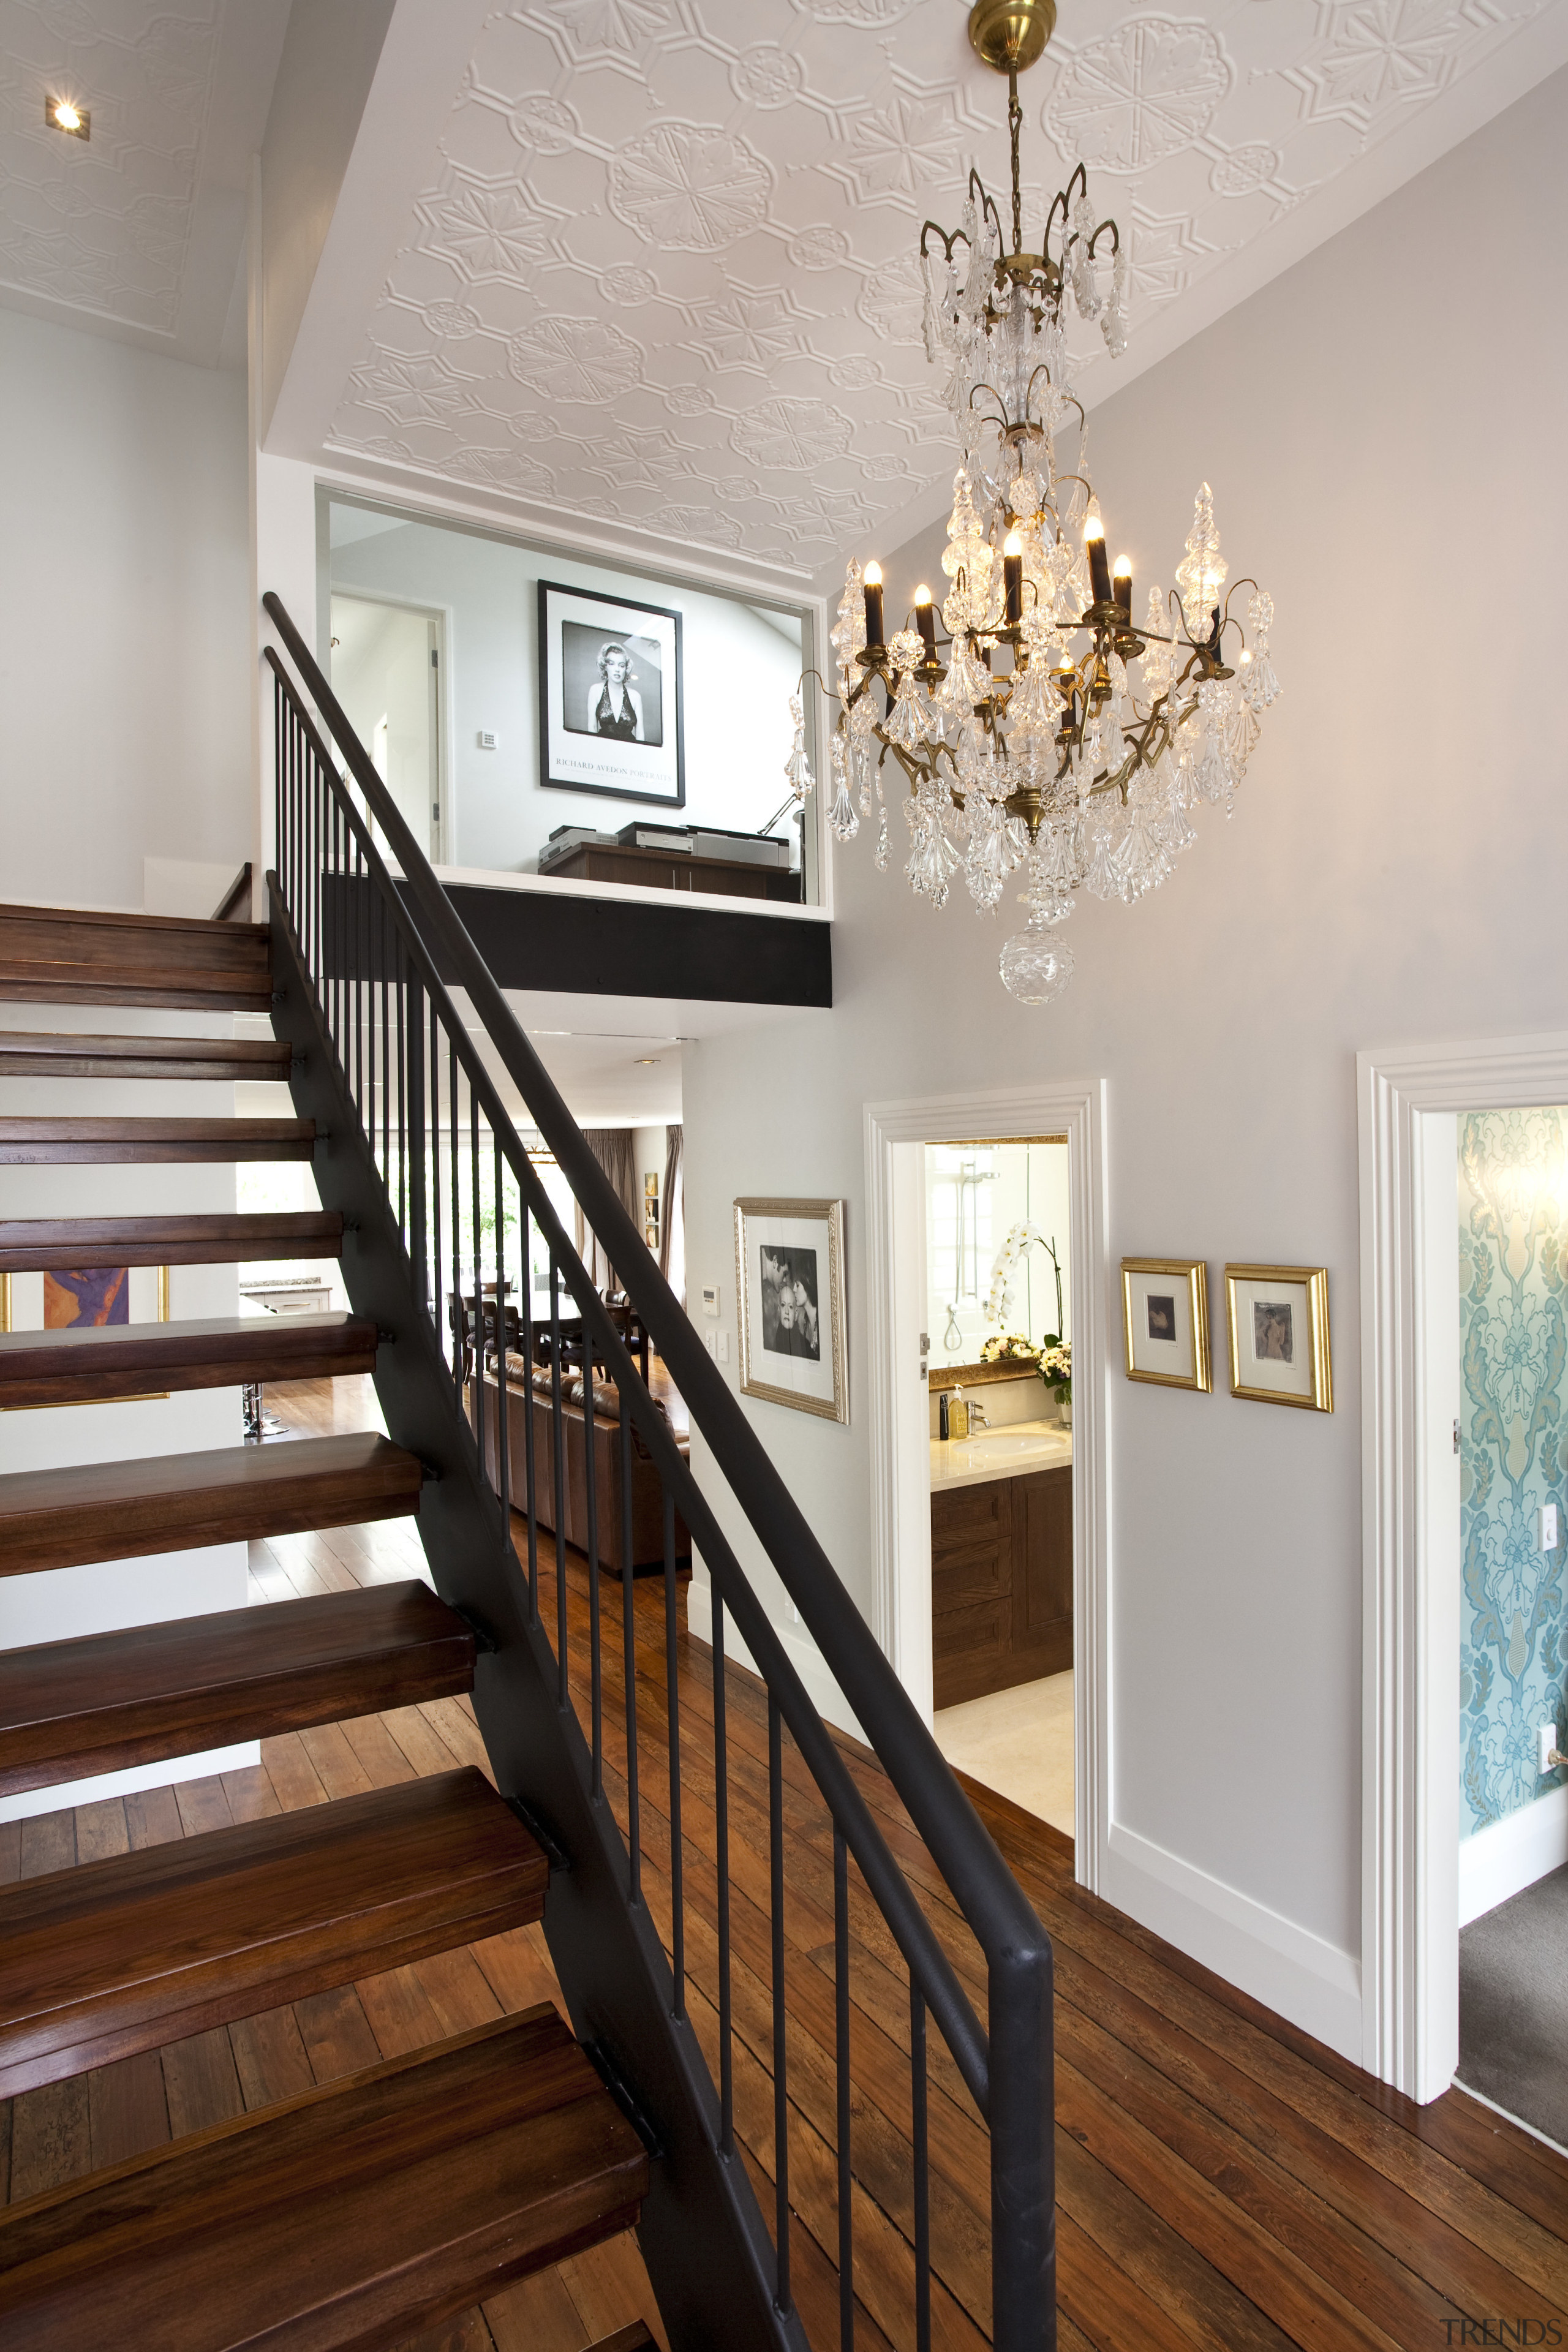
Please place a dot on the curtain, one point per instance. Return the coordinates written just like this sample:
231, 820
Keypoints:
612, 1147
672, 1228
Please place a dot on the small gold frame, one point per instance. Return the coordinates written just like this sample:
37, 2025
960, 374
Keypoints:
1319, 1395
154, 1396
829, 1215
1193, 1274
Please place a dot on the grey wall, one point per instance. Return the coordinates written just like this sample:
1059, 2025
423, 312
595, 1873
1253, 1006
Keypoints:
124, 615
1393, 872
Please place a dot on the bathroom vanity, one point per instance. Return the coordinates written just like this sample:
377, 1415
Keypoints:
1001, 1541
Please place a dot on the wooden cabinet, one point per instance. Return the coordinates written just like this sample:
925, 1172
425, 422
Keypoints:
673, 869
1000, 1583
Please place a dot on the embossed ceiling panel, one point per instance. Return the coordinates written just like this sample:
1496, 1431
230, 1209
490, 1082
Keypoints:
109, 231
662, 272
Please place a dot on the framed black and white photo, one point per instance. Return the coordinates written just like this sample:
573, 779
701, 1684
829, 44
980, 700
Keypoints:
610, 717
789, 1282
1278, 1326
1166, 1321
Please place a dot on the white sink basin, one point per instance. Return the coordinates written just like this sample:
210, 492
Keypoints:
1000, 1453
991, 1445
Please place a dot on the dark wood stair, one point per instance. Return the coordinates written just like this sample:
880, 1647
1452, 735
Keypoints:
33, 1245
347, 2217
152, 1946
107, 1361
54, 955
172, 1502
104, 1702
50, 1053
120, 1142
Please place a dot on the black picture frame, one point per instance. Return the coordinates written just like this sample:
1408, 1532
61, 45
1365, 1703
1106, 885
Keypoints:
576, 625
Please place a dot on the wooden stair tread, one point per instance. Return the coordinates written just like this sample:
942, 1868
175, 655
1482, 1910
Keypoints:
378, 2204
63, 1053
635, 2339
105, 1360
49, 1142
172, 1502
70, 956
104, 1702
145, 1948
28, 1244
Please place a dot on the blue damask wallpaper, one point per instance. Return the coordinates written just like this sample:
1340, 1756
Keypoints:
1513, 1322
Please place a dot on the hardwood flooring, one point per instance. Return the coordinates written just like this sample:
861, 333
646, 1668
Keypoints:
1223, 2182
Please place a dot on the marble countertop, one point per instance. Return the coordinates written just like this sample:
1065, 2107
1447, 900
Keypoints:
1012, 1451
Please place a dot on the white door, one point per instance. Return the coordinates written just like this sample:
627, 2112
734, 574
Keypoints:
387, 673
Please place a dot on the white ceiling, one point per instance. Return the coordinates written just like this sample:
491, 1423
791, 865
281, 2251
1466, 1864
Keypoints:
138, 231
660, 271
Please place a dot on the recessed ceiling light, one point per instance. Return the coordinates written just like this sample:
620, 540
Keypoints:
63, 114
649, 1061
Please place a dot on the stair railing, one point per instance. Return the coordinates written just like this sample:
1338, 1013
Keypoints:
425, 1157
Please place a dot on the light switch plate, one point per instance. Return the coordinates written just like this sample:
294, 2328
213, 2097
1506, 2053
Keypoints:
723, 1346
1546, 1740
710, 1300
487, 740
709, 1338
1547, 1534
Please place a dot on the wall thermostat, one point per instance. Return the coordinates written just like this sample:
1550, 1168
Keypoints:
710, 1298
487, 741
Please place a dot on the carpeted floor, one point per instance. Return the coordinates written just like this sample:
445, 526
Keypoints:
1513, 2006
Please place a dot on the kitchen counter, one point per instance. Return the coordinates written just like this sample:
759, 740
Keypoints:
1012, 1451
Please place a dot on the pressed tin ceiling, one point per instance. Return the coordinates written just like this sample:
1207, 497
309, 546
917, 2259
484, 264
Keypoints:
661, 272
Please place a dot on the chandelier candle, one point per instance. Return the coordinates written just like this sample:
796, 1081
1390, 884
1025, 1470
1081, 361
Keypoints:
873, 604
1083, 761
1013, 577
925, 621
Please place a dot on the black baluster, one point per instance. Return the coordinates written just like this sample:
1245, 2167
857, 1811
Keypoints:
923, 2168
563, 1693
591, 1476
722, 1857
525, 1219
841, 2062
672, 1701
475, 1255
503, 1429
781, 2050
628, 1646
458, 1311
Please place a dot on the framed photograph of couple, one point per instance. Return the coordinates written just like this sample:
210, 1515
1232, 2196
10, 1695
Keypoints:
1166, 1321
610, 716
1278, 1324
789, 1282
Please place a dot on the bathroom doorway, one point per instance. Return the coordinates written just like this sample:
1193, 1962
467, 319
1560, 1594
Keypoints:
990, 1551
999, 1316
387, 671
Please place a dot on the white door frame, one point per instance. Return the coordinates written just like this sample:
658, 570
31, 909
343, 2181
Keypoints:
900, 1485
443, 830
1409, 1102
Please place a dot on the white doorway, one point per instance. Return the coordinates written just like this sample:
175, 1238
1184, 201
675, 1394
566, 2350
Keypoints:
388, 670
896, 1135
1411, 1102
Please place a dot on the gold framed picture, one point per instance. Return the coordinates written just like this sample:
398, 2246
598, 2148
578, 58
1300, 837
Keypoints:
1277, 1317
789, 1288
1166, 1321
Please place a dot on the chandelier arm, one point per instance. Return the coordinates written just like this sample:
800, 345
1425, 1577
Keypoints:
987, 209
1001, 416
932, 228
1099, 232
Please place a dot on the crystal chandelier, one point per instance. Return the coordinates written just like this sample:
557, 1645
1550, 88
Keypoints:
1081, 761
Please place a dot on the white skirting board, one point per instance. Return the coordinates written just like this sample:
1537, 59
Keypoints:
1508, 1855
130, 1782
1310, 1982
801, 1649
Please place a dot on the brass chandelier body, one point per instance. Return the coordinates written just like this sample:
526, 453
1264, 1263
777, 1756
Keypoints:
1065, 763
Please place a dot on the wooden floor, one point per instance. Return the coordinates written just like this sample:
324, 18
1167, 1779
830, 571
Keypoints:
1222, 2182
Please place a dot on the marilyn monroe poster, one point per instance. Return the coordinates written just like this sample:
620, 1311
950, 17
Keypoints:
609, 701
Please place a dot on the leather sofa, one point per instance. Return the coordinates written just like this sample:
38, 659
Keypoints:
529, 1391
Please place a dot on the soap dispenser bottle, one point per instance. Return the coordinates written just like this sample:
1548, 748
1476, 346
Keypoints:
941, 1429
958, 1414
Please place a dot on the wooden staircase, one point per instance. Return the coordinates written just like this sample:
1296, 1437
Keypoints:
385, 2202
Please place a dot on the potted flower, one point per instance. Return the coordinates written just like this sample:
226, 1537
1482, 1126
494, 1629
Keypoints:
1056, 1370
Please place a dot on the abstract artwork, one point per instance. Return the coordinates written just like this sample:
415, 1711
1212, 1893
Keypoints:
94, 1293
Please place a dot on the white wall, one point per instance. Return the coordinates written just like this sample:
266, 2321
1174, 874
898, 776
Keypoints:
124, 630
739, 670
1397, 481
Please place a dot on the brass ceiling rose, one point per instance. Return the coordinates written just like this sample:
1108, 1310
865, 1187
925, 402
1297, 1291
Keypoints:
1009, 35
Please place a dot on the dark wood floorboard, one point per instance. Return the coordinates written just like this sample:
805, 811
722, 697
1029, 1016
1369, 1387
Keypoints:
1222, 2182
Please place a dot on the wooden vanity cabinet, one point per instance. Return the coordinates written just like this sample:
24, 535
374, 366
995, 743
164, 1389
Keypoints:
1000, 1561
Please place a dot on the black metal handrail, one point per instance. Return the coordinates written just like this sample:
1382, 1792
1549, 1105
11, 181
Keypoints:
1007, 2069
